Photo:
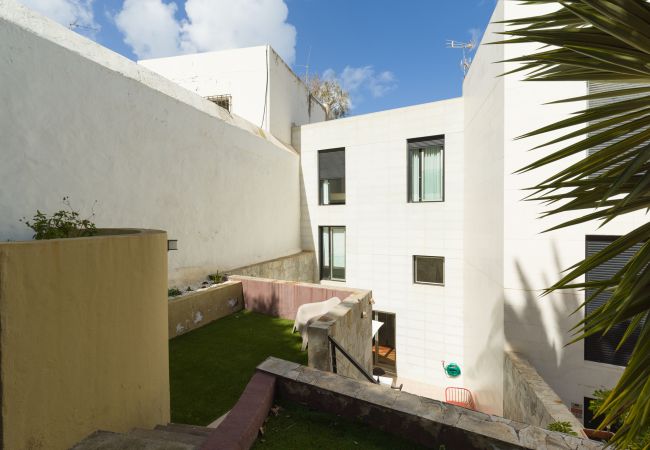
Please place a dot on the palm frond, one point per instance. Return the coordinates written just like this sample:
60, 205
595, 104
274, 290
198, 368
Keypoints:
604, 41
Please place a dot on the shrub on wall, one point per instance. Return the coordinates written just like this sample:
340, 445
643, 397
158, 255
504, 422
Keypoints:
65, 223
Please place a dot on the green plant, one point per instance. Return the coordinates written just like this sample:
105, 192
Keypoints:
216, 277
604, 41
642, 441
189, 289
173, 292
61, 224
562, 427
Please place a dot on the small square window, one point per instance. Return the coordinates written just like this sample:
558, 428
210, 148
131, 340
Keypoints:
429, 270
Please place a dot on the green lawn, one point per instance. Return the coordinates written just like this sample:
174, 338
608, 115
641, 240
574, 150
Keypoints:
210, 366
297, 427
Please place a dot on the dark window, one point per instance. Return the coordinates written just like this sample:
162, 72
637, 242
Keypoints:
332, 253
426, 169
225, 101
331, 176
601, 348
429, 269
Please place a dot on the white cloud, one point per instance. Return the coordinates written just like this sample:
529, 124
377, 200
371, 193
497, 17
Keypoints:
75, 14
361, 80
151, 29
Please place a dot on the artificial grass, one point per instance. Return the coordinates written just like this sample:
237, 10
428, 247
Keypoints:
298, 427
210, 366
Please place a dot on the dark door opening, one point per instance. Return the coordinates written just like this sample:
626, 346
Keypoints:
384, 350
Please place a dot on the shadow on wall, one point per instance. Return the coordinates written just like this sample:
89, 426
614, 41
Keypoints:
539, 327
306, 236
493, 346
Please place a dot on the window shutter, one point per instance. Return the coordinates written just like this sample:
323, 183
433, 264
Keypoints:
596, 87
603, 348
331, 164
426, 142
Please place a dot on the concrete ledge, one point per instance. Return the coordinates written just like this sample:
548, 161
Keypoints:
528, 398
239, 429
427, 422
202, 307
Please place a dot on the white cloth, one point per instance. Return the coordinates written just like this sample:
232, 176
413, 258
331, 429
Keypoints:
308, 312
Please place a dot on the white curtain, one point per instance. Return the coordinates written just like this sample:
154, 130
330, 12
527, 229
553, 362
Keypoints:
338, 247
326, 192
415, 175
326, 246
432, 168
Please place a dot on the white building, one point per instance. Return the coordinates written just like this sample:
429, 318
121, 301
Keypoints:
419, 204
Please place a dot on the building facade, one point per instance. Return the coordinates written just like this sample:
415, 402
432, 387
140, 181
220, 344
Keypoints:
419, 204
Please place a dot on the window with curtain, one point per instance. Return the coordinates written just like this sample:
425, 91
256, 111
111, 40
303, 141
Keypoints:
426, 169
331, 176
428, 269
332, 253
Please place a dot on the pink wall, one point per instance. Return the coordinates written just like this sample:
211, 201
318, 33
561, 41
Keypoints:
282, 298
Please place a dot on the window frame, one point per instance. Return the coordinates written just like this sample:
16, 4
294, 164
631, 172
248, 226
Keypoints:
415, 280
331, 253
409, 188
318, 178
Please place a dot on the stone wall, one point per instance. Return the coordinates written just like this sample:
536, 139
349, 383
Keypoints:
527, 398
427, 422
202, 307
350, 324
298, 267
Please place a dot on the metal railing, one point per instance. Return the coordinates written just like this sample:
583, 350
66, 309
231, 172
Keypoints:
334, 345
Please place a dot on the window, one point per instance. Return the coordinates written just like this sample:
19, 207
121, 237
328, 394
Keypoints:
332, 253
225, 101
601, 348
426, 169
331, 176
429, 269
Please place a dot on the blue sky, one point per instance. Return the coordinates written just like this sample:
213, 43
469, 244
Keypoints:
387, 53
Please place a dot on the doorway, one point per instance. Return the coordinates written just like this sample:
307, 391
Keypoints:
384, 350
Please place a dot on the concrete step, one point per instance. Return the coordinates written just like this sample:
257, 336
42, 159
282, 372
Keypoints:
187, 429
169, 436
106, 440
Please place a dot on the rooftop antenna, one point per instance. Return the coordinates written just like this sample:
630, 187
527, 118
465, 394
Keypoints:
467, 48
306, 66
75, 25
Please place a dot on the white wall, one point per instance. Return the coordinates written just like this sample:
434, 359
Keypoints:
384, 231
531, 261
79, 120
264, 90
240, 73
483, 219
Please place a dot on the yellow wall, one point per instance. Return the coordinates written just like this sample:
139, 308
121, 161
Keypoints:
83, 337
202, 307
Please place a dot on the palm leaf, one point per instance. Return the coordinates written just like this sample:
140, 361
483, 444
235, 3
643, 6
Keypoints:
600, 41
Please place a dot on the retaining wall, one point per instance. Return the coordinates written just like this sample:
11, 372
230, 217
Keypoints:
528, 398
199, 308
298, 267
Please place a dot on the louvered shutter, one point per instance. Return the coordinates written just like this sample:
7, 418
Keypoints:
603, 348
331, 164
596, 87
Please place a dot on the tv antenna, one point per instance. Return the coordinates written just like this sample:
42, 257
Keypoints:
306, 66
75, 25
467, 48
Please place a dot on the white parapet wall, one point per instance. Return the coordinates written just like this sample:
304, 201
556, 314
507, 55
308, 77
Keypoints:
79, 120
261, 87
